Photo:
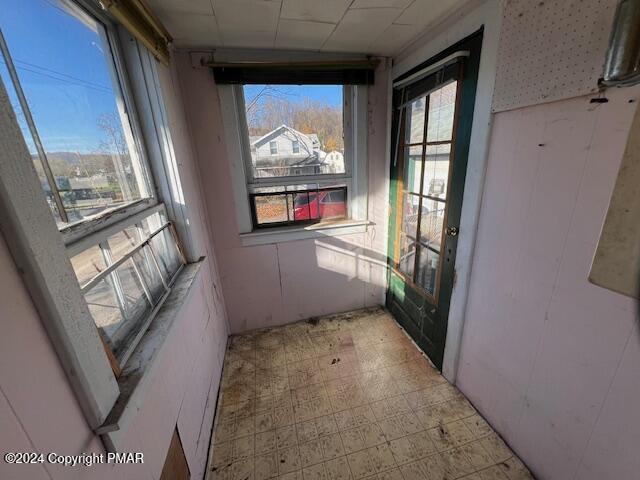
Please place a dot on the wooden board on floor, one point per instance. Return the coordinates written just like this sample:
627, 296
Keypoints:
175, 464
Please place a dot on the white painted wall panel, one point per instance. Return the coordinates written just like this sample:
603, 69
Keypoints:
283, 282
543, 347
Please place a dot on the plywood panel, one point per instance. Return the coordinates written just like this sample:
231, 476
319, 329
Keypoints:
550, 50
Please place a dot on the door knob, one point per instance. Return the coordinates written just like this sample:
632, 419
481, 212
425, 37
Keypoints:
452, 231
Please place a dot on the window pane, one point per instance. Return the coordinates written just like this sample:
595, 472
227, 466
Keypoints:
303, 205
119, 307
295, 129
436, 170
442, 105
168, 256
149, 273
410, 208
152, 223
412, 168
415, 121
407, 255
427, 270
271, 208
88, 264
63, 61
431, 222
332, 204
136, 303
123, 242
104, 307
28, 138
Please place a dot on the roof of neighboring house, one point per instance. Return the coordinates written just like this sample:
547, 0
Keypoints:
255, 140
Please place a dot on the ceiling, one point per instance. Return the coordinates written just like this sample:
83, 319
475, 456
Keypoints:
381, 27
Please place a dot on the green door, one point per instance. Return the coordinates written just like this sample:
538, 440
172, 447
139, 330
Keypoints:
431, 130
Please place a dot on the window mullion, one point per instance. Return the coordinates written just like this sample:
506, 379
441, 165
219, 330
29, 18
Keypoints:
32, 128
143, 283
157, 266
425, 127
115, 278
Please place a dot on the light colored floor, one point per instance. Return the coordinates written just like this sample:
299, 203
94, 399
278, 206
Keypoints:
347, 397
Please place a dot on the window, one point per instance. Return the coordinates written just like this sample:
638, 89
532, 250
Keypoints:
297, 186
126, 276
70, 97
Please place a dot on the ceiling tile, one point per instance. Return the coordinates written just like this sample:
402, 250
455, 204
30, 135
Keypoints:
426, 12
302, 35
314, 10
247, 39
249, 15
394, 38
360, 28
190, 6
191, 29
380, 3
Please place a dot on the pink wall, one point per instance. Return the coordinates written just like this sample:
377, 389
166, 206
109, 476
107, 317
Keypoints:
38, 410
284, 282
550, 359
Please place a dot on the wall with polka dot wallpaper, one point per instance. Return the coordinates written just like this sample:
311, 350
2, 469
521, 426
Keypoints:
550, 50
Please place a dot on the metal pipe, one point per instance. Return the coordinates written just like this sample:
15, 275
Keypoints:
622, 66
32, 128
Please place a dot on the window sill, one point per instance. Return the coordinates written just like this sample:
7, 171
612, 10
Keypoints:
289, 234
138, 372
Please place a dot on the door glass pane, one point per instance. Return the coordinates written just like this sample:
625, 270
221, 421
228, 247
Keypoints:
64, 64
407, 255
414, 132
410, 214
431, 222
442, 105
427, 269
436, 170
412, 168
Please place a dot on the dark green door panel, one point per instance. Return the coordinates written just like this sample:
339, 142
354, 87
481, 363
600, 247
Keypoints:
423, 309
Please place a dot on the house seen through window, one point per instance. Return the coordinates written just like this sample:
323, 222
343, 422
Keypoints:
298, 168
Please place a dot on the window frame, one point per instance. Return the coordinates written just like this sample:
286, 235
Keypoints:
286, 181
74, 232
355, 177
95, 231
43, 252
